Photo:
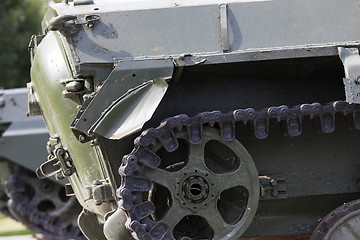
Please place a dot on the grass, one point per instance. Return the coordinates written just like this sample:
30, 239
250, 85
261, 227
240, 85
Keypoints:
10, 227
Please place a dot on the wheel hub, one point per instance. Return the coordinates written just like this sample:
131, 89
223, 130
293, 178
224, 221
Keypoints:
195, 189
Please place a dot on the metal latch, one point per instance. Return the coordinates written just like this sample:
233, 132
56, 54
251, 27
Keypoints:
59, 161
60, 164
273, 187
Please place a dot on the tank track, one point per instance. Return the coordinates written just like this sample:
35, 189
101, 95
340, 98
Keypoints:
290, 119
53, 227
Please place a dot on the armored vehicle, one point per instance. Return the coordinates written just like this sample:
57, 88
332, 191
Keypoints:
41, 205
212, 119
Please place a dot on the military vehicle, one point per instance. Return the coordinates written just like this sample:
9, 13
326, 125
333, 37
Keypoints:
208, 119
41, 205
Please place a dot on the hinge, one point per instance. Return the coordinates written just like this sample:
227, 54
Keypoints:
76, 86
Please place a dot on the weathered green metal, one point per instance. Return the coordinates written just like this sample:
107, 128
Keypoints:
100, 71
48, 79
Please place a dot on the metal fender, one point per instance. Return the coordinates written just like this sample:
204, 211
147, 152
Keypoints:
126, 100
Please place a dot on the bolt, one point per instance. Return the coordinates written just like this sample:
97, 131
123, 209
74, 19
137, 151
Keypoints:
68, 172
59, 175
94, 143
81, 138
273, 182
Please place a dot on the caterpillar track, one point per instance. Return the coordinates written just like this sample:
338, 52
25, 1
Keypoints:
136, 186
40, 208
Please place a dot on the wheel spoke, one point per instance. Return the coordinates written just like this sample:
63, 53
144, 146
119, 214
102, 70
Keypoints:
196, 156
161, 177
216, 222
174, 215
240, 177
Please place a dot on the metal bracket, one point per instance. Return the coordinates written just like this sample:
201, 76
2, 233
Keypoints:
33, 104
273, 187
100, 191
66, 24
224, 28
88, 20
69, 191
351, 61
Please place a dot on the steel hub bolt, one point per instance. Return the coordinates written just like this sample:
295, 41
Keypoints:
195, 189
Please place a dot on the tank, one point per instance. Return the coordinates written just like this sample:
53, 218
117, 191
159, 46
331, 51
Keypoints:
41, 205
210, 119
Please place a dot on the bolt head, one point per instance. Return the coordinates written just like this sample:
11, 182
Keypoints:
81, 138
68, 172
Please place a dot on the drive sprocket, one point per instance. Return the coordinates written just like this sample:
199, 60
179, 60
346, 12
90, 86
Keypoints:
208, 190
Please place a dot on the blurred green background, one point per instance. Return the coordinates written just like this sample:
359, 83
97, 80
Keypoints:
19, 19
9, 227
